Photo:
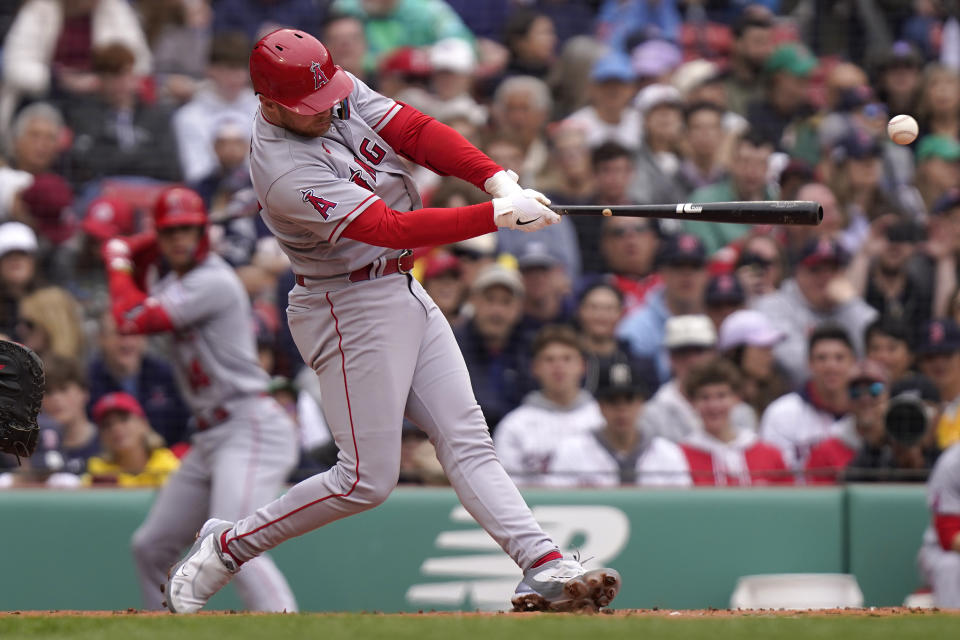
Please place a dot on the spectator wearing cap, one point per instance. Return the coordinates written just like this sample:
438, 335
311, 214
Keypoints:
747, 339
857, 181
690, 341
36, 138
938, 167
122, 363
747, 181
528, 436
546, 287
600, 308
657, 177
797, 421
133, 455
391, 24
721, 454
403, 74
492, 344
345, 38
938, 358
48, 209
256, 18
619, 453
18, 271
654, 60
609, 116
703, 140
520, 110
816, 295
724, 295
116, 133
68, 439
898, 77
453, 63
887, 275
862, 428
752, 45
785, 105
226, 97
760, 266
442, 280
681, 264
889, 342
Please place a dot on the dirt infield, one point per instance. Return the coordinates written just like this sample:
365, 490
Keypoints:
875, 612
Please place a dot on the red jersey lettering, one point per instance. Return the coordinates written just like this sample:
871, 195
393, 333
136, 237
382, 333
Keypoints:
322, 206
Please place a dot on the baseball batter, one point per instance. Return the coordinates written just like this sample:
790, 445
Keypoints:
326, 165
245, 445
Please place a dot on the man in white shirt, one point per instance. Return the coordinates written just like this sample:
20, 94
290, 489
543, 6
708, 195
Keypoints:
619, 453
527, 437
797, 421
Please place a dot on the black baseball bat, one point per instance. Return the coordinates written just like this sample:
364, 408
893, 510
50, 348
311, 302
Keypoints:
795, 212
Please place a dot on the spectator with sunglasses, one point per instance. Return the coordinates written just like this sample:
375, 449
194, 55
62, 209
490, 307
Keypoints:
862, 429
628, 247
760, 266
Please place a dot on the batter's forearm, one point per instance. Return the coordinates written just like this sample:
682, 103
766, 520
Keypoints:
436, 146
384, 227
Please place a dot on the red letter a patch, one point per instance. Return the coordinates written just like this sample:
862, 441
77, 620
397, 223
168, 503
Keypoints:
322, 206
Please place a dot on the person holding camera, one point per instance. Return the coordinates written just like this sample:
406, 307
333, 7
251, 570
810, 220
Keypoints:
885, 435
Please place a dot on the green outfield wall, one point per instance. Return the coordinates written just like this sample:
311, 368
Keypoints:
421, 551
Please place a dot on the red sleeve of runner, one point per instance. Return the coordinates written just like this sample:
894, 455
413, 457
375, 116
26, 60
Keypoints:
384, 227
436, 146
948, 528
132, 309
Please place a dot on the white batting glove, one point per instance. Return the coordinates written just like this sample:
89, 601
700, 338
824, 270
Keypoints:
503, 184
524, 210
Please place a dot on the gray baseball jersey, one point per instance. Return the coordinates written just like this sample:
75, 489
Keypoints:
214, 352
311, 189
381, 348
941, 567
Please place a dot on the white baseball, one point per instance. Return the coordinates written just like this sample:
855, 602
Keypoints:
902, 129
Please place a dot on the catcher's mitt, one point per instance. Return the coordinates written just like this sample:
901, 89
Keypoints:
21, 392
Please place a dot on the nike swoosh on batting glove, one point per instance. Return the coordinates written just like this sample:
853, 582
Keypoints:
523, 211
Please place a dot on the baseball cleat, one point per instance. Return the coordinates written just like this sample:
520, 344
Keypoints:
202, 572
564, 585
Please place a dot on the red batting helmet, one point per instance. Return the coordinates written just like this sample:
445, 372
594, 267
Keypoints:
295, 69
179, 207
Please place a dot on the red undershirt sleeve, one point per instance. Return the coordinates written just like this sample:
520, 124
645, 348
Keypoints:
436, 146
948, 528
132, 310
384, 227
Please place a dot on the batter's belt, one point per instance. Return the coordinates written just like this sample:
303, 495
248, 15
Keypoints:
376, 269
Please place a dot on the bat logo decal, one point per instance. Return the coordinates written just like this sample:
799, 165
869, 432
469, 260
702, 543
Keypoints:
689, 207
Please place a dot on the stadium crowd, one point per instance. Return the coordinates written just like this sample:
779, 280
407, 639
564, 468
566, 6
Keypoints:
603, 350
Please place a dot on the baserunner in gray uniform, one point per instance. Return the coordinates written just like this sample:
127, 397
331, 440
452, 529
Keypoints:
326, 166
940, 553
245, 445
